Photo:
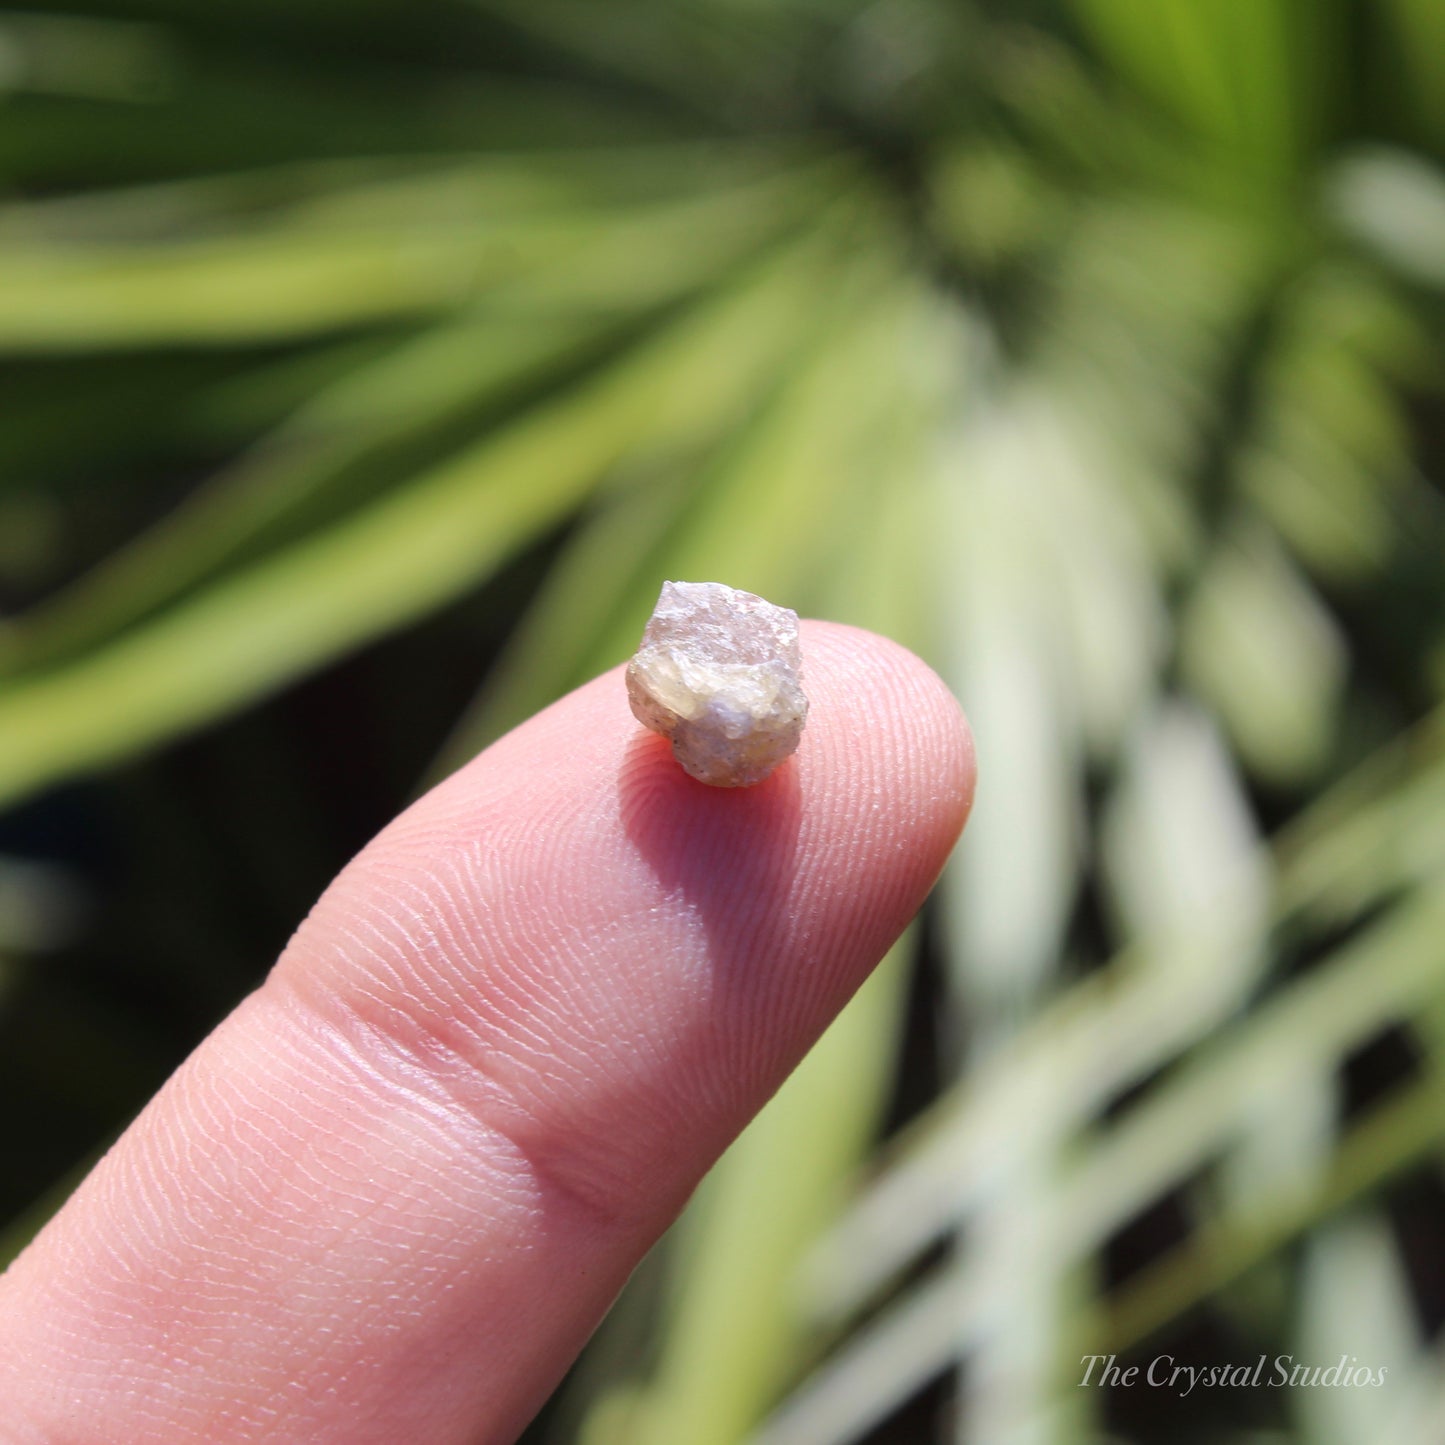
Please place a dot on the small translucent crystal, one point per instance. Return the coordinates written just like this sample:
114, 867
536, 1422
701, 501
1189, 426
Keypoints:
720, 674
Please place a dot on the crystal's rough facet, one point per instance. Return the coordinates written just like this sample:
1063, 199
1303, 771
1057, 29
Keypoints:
720, 674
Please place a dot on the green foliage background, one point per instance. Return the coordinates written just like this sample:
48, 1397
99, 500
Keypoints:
353, 352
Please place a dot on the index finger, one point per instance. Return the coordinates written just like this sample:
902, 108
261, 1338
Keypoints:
395, 1191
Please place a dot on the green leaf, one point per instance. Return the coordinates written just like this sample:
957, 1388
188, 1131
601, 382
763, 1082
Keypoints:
411, 550
1259, 646
1248, 79
360, 437
398, 247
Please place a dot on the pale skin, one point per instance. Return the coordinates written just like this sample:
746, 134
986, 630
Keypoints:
395, 1191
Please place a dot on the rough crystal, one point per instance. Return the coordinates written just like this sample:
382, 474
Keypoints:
720, 674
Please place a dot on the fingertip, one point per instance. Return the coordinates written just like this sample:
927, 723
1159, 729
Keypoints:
487, 1072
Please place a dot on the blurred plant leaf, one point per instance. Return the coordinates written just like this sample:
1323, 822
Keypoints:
1257, 644
411, 549
415, 245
